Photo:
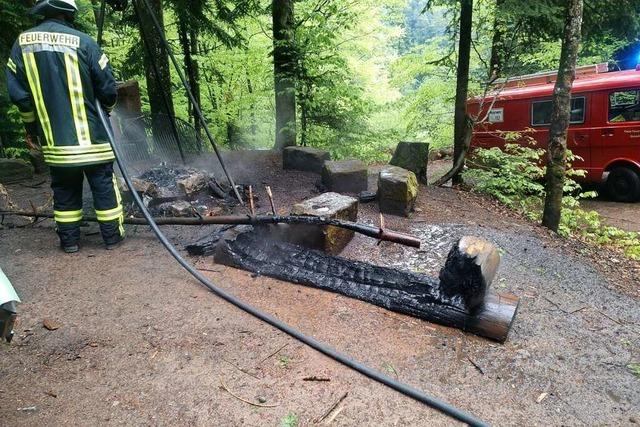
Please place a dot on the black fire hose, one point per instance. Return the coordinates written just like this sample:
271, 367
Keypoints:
311, 342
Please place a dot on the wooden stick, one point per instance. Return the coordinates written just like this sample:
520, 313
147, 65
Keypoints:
259, 405
382, 227
244, 371
333, 407
272, 354
251, 205
273, 205
335, 415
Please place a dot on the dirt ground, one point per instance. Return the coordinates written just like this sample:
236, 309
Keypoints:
142, 343
625, 216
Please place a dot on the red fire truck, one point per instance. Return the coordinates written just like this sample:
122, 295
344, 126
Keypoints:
604, 130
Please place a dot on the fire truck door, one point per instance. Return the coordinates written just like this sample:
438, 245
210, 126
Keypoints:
579, 142
620, 138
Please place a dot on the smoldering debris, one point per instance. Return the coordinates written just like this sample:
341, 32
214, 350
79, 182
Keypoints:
183, 192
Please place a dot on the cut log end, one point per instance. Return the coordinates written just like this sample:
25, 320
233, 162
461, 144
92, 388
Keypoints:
469, 270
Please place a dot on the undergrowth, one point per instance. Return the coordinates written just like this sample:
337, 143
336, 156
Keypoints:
515, 177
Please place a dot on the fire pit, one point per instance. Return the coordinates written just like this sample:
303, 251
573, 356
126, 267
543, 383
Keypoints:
183, 192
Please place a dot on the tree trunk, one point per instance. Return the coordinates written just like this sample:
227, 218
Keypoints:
189, 45
560, 116
254, 120
304, 124
462, 86
95, 7
158, 76
496, 63
194, 78
284, 72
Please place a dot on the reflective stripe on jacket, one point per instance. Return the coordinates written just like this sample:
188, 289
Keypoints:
54, 74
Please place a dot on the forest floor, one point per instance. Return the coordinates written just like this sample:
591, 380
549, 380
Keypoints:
141, 343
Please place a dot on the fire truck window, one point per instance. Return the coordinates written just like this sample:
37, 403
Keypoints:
541, 112
577, 110
624, 106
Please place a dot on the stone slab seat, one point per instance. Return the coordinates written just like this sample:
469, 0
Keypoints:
304, 159
345, 176
397, 191
412, 156
14, 170
332, 240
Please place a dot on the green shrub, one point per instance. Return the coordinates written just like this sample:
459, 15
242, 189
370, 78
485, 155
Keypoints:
515, 177
17, 153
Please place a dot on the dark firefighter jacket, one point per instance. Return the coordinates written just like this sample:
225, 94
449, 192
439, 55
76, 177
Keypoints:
54, 75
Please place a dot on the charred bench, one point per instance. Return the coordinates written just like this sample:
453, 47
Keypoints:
459, 298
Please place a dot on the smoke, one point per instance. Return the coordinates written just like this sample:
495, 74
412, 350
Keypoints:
146, 143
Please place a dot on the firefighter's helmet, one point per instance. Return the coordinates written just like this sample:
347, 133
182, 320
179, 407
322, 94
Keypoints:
49, 8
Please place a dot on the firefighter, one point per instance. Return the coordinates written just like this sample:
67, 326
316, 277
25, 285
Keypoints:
55, 73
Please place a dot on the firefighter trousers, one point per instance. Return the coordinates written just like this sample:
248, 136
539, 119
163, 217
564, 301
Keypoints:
67, 184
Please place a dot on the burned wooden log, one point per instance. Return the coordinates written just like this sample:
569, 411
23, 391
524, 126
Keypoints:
469, 270
465, 304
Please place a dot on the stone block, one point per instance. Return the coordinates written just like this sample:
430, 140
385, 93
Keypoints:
368, 196
328, 205
304, 159
179, 208
345, 176
193, 184
5, 202
14, 170
397, 191
141, 186
412, 156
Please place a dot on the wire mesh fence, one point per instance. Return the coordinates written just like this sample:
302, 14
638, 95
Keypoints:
147, 139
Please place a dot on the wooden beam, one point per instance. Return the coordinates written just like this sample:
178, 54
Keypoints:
401, 291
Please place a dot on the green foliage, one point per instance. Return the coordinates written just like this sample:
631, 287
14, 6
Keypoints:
13, 20
369, 73
290, 420
634, 368
514, 176
511, 176
284, 361
17, 153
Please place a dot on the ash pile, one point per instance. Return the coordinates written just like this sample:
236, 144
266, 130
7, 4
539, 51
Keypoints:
183, 192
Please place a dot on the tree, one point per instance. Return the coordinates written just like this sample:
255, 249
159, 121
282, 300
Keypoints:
463, 123
156, 66
496, 62
560, 116
327, 94
198, 19
13, 20
284, 67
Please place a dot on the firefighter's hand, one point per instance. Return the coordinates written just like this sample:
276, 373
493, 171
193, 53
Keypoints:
32, 142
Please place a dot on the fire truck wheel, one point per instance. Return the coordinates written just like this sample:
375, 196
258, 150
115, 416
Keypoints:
623, 185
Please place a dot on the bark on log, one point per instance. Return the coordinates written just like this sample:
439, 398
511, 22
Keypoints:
404, 292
